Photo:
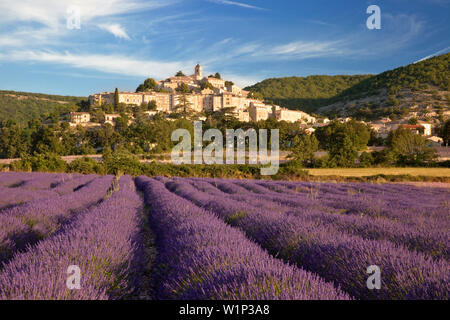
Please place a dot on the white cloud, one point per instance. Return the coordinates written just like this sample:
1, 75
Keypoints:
6, 41
300, 48
53, 12
241, 81
37, 22
238, 4
115, 64
116, 29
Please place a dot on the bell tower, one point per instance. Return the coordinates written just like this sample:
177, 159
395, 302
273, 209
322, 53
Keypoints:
198, 72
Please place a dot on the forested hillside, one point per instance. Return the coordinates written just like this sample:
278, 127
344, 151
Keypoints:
305, 93
391, 93
24, 106
416, 76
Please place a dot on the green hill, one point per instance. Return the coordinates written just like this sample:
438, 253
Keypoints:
433, 72
305, 93
364, 96
24, 106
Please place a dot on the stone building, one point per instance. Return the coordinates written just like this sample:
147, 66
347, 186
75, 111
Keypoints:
109, 118
259, 111
282, 114
80, 117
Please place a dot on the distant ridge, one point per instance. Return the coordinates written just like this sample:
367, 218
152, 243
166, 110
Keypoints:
24, 106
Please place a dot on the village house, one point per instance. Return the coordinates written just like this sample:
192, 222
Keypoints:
80, 117
435, 141
384, 126
110, 118
427, 128
283, 114
259, 111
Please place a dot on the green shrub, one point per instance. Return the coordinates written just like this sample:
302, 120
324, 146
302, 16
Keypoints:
45, 162
86, 165
121, 161
366, 160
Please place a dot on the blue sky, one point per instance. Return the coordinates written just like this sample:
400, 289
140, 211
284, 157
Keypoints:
120, 43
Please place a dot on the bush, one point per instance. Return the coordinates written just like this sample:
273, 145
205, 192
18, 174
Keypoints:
366, 160
407, 148
86, 165
322, 162
121, 161
45, 162
291, 170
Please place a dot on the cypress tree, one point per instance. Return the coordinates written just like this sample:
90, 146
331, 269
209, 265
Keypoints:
116, 98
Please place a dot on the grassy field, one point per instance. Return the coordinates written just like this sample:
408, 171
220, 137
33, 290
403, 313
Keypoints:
363, 172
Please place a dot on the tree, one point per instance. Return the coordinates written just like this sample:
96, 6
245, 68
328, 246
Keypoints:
343, 141
227, 116
44, 162
444, 133
121, 124
206, 85
180, 74
122, 107
98, 116
366, 160
86, 165
148, 85
14, 140
108, 108
406, 147
46, 140
412, 121
304, 148
185, 105
120, 161
255, 95
84, 105
229, 83
183, 88
116, 98
140, 88
138, 112
152, 105
217, 76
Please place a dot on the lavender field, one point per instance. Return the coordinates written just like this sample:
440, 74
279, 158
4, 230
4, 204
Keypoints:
191, 238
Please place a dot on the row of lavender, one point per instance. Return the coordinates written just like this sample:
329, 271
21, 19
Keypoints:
103, 242
34, 180
302, 229
40, 187
25, 224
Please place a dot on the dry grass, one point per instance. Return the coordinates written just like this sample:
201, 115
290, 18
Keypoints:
364, 172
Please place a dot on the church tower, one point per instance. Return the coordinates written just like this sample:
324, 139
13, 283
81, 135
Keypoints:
198, 72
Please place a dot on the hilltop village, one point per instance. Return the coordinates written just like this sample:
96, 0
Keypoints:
201, 94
